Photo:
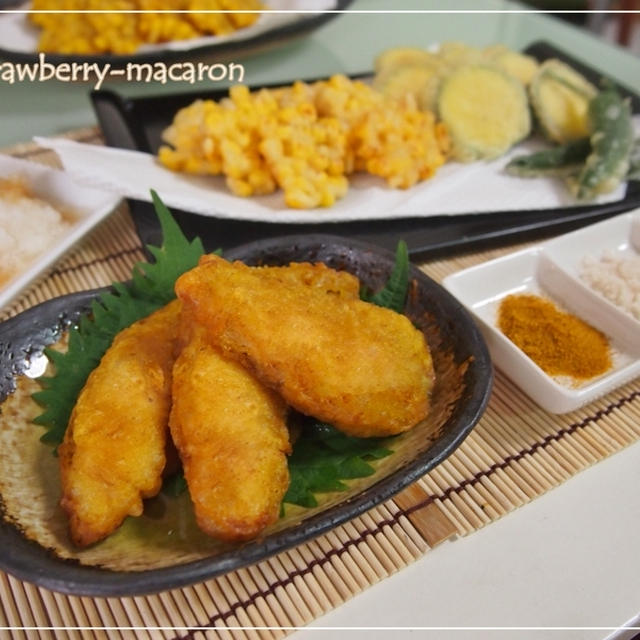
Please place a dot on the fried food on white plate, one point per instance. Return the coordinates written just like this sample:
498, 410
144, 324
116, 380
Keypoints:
231, 434
364, 369
113, 453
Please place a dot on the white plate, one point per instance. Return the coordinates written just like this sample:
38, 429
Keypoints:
90, 206
18, 35
551, 270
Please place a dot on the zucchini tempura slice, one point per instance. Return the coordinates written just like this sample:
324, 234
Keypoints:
486, 112
113, 453
365, 369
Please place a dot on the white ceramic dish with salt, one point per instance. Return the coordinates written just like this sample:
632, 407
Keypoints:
86, 208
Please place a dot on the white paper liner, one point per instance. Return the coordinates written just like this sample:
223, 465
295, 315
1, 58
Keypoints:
456, 189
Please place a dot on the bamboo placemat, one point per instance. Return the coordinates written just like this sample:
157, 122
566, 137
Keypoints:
516, 453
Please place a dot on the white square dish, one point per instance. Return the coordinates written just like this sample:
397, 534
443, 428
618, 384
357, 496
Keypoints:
481, 288
89, 207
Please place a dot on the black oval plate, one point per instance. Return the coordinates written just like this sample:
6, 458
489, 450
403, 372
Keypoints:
455, 333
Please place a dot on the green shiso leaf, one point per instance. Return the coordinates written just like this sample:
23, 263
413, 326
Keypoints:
394, 293
323, 457
150, 288
156, 280
174, 485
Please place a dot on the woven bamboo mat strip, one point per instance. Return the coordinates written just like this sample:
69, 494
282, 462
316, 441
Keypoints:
515, 454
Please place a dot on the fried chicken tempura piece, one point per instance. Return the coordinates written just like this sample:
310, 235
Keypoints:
113, 452
316, 275
232, 438
364, 369
229, 428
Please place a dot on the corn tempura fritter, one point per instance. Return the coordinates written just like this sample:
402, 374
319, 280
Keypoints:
113, 452
121, 27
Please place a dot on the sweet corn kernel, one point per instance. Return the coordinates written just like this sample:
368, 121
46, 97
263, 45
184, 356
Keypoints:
123, 33
306, 139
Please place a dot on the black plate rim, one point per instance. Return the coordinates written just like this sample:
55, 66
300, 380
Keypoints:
273, 36
74, 579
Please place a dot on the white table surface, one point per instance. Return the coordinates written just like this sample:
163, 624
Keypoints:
568, 559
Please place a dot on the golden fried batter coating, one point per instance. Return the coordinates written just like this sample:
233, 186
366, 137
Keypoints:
317, 275
229, 428
113, 452
365, 369
232, 438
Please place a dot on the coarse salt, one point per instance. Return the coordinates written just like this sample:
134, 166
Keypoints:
29, 227
617, 277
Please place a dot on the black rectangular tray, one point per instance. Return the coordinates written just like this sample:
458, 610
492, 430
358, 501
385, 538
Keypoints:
137, 123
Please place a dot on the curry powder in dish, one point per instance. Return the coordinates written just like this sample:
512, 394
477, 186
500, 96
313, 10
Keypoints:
558, 342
